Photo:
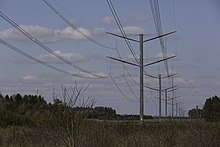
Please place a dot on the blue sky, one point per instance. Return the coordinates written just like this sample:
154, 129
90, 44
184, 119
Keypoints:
196, 44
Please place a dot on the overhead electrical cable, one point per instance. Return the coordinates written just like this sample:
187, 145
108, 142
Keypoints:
119, 89
126, 80
71, 14
119, 24
157, 21
39, 61
20, 29
74, 27
129, 86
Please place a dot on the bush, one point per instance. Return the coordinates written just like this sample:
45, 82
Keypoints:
212, 109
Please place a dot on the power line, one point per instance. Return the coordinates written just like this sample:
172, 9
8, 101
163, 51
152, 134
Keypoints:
130, 87
20, 29
67, 11
118, 22
73, 26
114, 13
157, 21
124, 67
39, 61
141, 66
119, 89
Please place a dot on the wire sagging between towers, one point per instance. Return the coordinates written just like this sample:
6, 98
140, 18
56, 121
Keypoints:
118, 22
154, 4
29, 36
74, 27
37, 60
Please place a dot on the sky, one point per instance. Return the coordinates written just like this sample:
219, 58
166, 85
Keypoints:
196, 44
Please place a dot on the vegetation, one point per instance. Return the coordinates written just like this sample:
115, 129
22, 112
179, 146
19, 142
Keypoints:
195, 113
103, 133
30, 121
33, 110
210, 111
22, 111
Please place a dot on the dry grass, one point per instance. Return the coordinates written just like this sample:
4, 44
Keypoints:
113, 134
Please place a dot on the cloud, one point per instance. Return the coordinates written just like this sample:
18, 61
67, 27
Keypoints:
129, 57
108, 20
75, 21
29, 77
142, 18
102, 74
184, 81
132, 30
92, 75
99, 31
44, 34
72, 57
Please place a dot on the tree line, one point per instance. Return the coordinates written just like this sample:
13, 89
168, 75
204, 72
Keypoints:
34, 110
210, 110
31, 110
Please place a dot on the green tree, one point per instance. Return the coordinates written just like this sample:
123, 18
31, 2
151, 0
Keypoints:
22, 111
212, 109
195, 113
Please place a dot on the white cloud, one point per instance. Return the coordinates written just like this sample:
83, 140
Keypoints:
69, 33
132, 30
142, 18
129, 57
92, 74
72, 57
44, 34
108, 20
184, 81
29, 77
102, 74
75, 21
99, 31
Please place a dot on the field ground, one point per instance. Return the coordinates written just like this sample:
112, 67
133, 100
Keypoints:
169, 133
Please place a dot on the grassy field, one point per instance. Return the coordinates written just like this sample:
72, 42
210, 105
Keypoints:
117, 134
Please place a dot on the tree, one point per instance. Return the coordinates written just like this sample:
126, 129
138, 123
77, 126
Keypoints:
64, 113
195, 113
22, 110
212, 109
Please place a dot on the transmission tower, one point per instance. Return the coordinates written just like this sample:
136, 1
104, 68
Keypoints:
141, 65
